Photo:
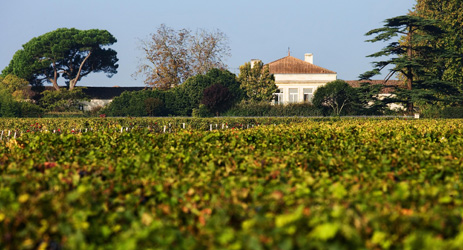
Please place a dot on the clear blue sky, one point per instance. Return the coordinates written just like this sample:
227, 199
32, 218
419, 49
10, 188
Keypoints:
333, 30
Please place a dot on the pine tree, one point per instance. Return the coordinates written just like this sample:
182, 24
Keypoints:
416, 58
68, 53
449, 13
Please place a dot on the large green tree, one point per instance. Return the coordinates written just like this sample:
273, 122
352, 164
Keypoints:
69, 53
257, 82
416, 57
449, 13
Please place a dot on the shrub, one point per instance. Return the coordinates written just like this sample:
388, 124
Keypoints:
295, 109
177, 102
154, 106
250, 109
137, 103
193, 89
30, 110
267, 109
335, 98
452, 112
95, 111
128, 103
9, 107
217, 98
63, 100
202, 111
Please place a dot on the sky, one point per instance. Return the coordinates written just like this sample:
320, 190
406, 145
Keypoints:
333, 30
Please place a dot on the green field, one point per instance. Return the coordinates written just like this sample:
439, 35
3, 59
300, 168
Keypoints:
288, 183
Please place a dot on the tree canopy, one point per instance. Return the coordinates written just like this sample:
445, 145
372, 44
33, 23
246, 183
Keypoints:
173, 56
335, 97
417, 58
450, 16
68, 53
257, 82
193, 89
14, 86
217, 98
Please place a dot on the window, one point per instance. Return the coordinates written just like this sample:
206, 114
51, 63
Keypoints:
279, 96
308, 94
293, 93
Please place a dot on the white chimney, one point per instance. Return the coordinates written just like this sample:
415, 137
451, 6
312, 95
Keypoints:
254, 62
309, 58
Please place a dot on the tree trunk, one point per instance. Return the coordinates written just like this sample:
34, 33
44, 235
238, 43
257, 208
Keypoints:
55, 85
409, 68
54, 81
73, 82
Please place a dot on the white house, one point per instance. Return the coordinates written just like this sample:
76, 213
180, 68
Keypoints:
298, 79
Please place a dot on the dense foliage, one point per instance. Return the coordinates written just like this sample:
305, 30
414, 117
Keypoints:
63, 100
418, 58
181, 100
133, 103
306, 184
449, 14
268, 109
12, 104
335, 98
217, 98
257, 82
14, 86
68, 53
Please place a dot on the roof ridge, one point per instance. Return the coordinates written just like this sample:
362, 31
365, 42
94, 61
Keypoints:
282, 59
302, 66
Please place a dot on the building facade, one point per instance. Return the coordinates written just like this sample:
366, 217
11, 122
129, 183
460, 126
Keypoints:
298, 79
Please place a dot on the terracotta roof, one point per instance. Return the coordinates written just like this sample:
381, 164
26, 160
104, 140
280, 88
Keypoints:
292, 65
388, 86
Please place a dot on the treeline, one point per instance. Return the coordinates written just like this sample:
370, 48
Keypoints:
219, 92
18, 100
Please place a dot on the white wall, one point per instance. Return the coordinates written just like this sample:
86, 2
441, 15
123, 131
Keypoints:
301, 81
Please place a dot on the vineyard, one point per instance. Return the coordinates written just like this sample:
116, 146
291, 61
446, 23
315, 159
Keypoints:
231, 183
